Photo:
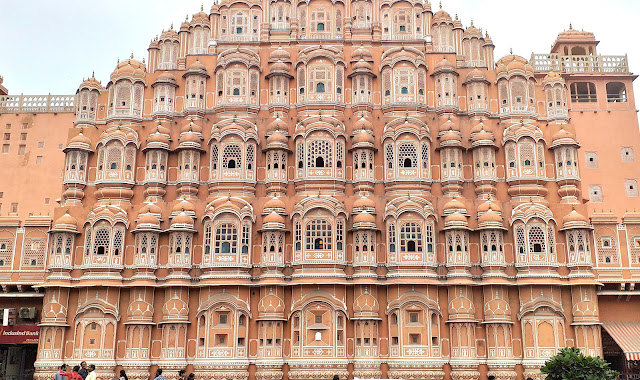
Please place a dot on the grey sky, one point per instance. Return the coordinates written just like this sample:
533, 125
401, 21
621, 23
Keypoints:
49, 46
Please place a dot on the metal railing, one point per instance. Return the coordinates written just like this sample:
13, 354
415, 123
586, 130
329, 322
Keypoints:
37, 103
580, 63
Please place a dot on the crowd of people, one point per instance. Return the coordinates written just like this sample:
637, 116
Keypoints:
88, 372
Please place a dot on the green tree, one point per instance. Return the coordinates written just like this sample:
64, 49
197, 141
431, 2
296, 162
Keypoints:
571, 364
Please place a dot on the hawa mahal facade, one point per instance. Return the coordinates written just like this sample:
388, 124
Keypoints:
289, 190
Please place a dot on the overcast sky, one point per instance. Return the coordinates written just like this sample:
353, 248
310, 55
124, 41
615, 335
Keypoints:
49, 46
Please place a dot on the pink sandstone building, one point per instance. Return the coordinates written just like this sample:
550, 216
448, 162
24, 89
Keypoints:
299, 190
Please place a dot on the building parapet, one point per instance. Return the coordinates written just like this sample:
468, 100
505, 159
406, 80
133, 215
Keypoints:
580, 64
37, 103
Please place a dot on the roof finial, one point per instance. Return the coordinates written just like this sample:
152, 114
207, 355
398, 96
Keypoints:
93, 74
472, 23
171, 27
440, 4
201, 7
510, 50
456, 17
131, 55
570, 26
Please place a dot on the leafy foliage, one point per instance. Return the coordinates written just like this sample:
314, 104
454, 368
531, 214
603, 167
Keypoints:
571, 364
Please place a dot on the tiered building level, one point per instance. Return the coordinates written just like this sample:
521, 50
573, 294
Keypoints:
297, 190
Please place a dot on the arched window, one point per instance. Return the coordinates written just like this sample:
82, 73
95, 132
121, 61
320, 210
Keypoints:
320, 27
318, 234
410, 237
320, 87
407, 155
319, 162
404, 90
101, 241
226, 238
231, 156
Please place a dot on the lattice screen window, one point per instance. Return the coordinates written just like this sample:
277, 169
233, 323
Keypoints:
320, 154
389, 155
339, 235
231, 156
404, 79
207, 238
578, 244
138, 94
531, 93
339, 154
250, 156
362, 18
339, 79
101, 241
298, 236
253, 82
425, 155
527, 157
63, 244
634, 245
6, 250
429, 236
631, 187
402, 21
240, 23
627, 154
410, 237
503, 91
321, 79
607, 247
537, 241
118, 240
492, 247
518, 91
318, 235
214, 156
521, 243
34, 249
245, 238
129, 158
226, 238
386, 83
114, 157
220, 83
407, 155
123, 96
391, 237
320, 20
236, 82
592, 160
180, 242
303, 18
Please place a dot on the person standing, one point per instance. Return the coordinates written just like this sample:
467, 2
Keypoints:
74, 374
182, 374
83, 370
92, 373
63, 373
123, 375
192, 376
159, 375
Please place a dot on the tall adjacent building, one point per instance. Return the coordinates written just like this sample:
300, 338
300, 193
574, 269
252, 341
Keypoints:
302, 190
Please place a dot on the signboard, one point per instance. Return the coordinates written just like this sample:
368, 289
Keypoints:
20, 334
